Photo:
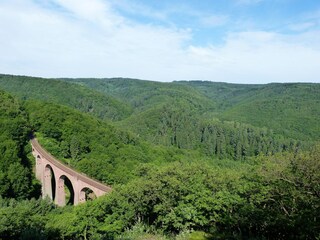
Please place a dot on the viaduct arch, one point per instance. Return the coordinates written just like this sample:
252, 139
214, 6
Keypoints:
54, 175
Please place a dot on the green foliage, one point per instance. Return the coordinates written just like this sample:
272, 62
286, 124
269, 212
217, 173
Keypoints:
197, 235
180, 125
24, 219
75, 96
174, 198
15, 167
169, 154
293, 206
143, 95
290, 109
272, 198
141, 232
283, 116
163, 112
225, 95
93, 146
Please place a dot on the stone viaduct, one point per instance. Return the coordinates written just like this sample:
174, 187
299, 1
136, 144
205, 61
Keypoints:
54, 176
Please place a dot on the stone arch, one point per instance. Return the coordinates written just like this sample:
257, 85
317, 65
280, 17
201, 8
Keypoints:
49, 182
86, 194
38, 166
55, 177
63, 182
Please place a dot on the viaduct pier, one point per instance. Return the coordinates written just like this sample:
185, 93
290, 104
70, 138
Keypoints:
54, 176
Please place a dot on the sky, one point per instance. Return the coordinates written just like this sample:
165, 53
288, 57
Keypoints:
236, 41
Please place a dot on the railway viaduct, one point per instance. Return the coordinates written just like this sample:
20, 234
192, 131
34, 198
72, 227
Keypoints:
54, 176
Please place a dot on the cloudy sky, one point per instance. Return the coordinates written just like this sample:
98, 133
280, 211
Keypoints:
239, 41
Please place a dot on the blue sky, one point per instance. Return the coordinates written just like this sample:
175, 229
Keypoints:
240, 41
212, 20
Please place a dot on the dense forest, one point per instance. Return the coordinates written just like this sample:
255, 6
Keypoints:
187, 160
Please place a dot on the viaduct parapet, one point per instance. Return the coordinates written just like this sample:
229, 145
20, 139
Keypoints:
54, 176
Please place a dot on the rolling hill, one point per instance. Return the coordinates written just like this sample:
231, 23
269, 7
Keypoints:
289, 109
75, 96
184, 159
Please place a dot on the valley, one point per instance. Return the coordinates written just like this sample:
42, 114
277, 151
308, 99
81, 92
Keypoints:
185, 158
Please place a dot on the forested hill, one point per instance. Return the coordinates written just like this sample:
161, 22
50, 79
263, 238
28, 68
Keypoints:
55, 91
180, 113
287, 109
187, 160
15, 166
143, 95
290, 109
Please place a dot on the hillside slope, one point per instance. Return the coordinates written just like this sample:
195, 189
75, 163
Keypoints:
175, 174
72, 95
15, 167
225, 95
290, 109
143, 95
93, 146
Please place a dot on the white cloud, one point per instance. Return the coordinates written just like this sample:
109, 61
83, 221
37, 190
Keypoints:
262, 57
214, 20
39, 42
306, 22
302, 26
96, 41
135, 8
